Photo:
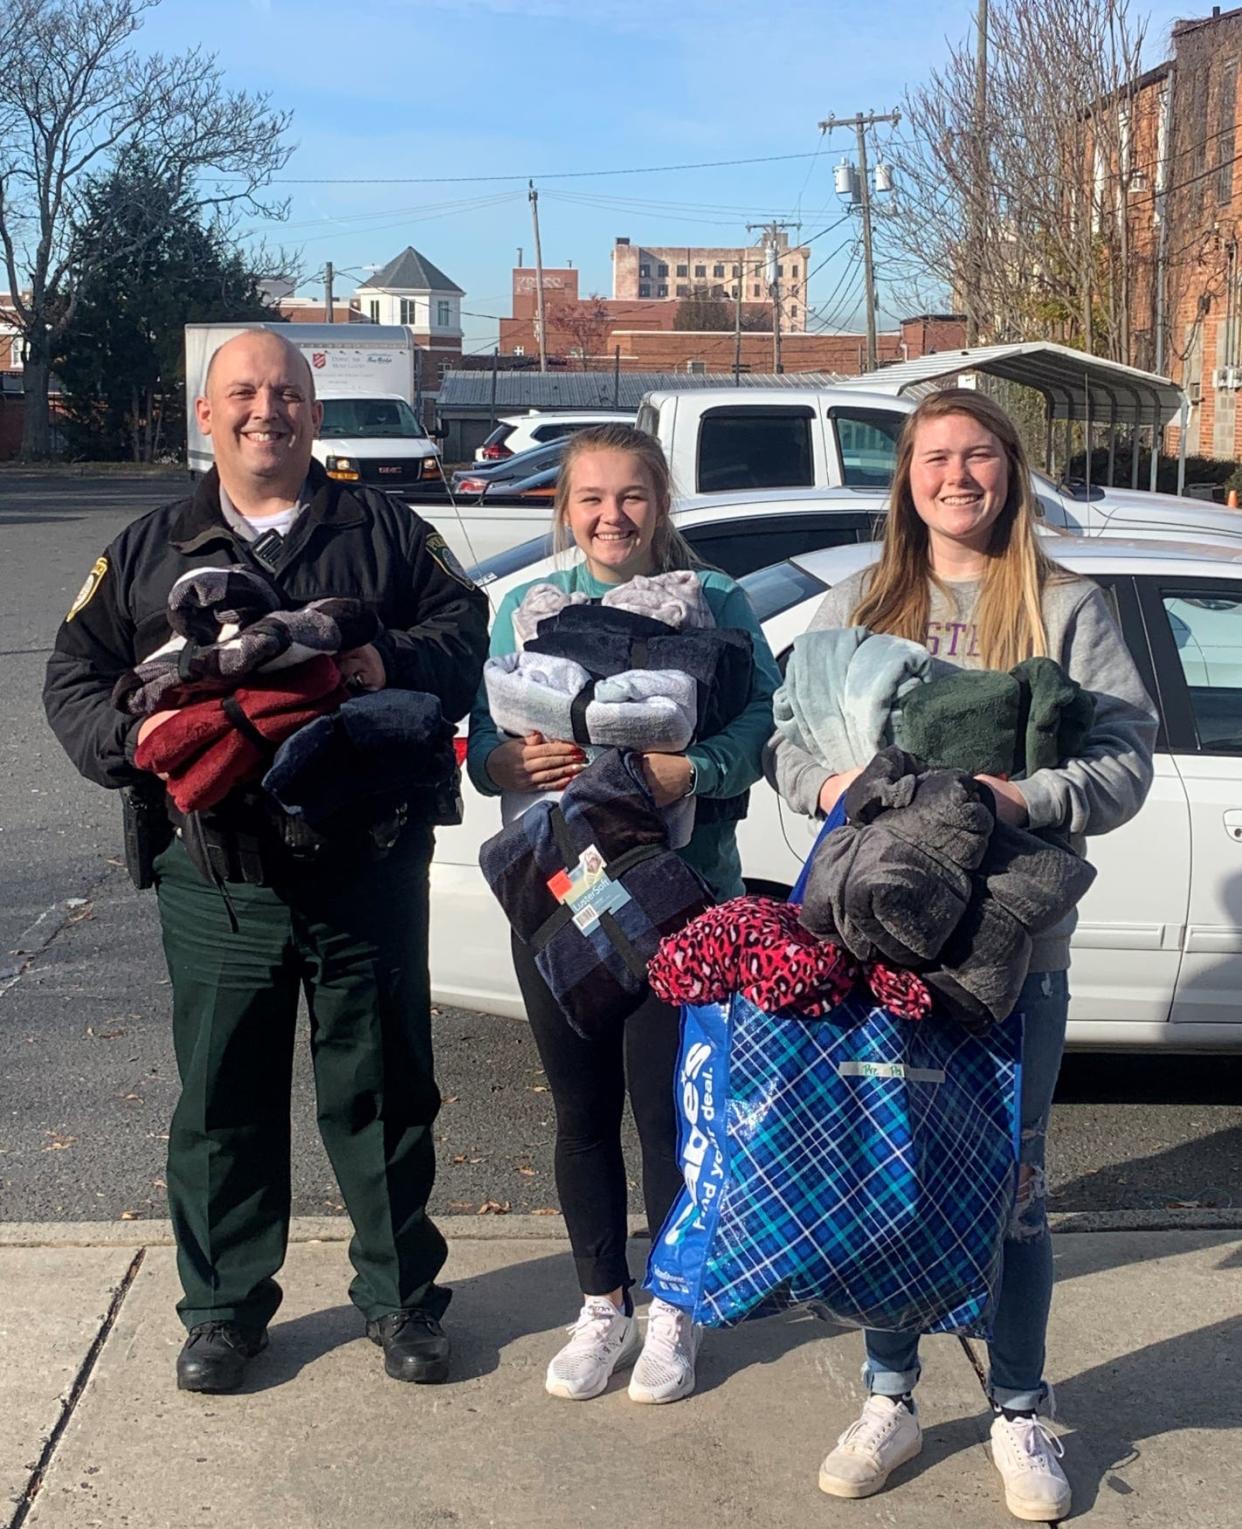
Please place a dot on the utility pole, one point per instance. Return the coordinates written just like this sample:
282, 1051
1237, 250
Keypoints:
328, 317
543, 344
860, 124
737, 323
772, 250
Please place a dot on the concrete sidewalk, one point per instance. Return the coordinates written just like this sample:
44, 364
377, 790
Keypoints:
1146, 1333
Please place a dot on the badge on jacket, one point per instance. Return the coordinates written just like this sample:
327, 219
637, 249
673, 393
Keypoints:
87, 593
444, 556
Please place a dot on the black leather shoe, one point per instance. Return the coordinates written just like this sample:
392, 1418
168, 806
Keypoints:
414, 1344
215, 1355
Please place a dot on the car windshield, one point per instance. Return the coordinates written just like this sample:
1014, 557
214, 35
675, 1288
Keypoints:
512, 560
779, 588
366, 417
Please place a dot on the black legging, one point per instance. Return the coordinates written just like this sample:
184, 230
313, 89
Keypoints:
588, 1082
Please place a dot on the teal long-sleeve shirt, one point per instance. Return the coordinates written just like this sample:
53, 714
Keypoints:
725, 764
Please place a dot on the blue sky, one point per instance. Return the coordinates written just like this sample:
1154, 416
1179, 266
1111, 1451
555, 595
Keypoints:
385, 89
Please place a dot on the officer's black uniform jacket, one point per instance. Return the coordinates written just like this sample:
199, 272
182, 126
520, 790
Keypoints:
351, 541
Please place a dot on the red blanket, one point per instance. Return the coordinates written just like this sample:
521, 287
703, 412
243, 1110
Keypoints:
212, 746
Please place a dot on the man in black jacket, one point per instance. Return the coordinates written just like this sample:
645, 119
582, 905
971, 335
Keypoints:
251, 913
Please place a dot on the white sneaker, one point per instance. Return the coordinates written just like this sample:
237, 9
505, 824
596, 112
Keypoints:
885, 1436
1027, 1454
602, 1340
665, 1369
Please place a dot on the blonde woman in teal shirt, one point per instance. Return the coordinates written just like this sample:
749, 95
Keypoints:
612, 505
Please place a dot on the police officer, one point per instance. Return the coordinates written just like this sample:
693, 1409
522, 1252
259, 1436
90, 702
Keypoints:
250, 914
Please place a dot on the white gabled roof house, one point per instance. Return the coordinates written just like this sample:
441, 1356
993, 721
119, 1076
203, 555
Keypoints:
410, 290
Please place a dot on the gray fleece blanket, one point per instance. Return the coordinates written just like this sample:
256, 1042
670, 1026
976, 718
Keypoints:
843, 692
675, 598
922, 876
651, 710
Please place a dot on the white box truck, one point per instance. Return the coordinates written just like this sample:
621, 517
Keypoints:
364, 376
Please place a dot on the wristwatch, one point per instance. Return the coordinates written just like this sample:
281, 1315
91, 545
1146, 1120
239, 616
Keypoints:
694, 778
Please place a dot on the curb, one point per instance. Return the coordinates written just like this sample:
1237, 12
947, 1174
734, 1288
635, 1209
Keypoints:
508, 1228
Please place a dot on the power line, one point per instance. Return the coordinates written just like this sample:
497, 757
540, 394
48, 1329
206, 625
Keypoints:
555, 175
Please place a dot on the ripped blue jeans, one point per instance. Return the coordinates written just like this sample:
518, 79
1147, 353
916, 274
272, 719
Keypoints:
1016, 1352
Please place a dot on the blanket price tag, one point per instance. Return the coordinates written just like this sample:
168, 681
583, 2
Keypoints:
588, 890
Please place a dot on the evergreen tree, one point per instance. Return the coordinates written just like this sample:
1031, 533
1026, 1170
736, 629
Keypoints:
152, 267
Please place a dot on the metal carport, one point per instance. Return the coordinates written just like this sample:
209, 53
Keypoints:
1074, 386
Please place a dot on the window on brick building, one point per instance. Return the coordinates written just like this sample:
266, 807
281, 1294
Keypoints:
717, 270
737, 270
700, 270
780, 270
733, 292
644, 289
662, 289
644, 270
683, 291
661, 270
683, 270
757, 290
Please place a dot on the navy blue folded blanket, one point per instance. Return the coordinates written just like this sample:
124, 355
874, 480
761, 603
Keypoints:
607, 642
387, 746
591, 885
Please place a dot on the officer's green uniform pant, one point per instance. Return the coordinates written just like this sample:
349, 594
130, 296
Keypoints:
357, 943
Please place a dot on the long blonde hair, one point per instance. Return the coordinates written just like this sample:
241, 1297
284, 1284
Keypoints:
669, 548
1009, 615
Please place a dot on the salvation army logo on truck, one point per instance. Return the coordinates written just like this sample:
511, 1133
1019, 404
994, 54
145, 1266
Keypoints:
355, 367
319, 359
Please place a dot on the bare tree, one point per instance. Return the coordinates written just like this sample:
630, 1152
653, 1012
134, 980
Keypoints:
585, 325
1015, 200
76, 98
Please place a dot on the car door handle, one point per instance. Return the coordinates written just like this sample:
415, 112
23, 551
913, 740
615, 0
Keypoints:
1233, 825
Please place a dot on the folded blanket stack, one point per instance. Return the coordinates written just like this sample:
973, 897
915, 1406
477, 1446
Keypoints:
377, 751
207, 749
591, 885
923, 878
227, 629
844, 689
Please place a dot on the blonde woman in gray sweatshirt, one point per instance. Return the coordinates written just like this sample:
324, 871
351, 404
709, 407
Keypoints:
962, 572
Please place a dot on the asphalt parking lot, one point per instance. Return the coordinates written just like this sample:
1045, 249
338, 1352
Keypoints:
86, 1065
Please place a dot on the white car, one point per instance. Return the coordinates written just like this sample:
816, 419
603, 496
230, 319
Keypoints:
1158, 949
519, 432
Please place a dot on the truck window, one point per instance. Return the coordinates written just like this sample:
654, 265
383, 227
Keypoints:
867, 444
756, 446
376, 417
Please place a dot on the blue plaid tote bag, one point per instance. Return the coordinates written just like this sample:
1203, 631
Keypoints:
860, 1162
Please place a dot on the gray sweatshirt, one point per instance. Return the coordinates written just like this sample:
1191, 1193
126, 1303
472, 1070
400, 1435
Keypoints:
1099, 791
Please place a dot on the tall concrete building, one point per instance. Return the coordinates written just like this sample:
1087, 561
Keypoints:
673, 272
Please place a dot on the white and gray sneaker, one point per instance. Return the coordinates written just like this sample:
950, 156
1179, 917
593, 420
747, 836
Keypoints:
665, 1369
602, 1340
1028, 1454
886, 1435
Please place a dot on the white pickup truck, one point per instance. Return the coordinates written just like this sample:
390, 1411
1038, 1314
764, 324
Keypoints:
756, 441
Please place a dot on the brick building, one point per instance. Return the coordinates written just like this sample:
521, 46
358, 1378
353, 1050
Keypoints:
672, 273
586, 333
1181, 137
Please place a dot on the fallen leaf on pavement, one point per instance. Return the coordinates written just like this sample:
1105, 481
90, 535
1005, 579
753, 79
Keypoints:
545, 1210
449, 1099
529, 1172
494, 1208
129, 1215
60, 1141
539, 1089
462, 1158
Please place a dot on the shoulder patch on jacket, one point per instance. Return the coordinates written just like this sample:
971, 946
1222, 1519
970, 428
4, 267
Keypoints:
87, 593
444, 556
